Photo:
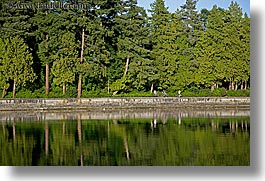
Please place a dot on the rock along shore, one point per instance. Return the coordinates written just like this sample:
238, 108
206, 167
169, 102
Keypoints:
40, 104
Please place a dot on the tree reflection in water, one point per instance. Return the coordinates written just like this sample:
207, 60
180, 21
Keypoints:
179, 141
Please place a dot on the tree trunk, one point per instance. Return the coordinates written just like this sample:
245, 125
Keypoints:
236, 86
242, 85
108, 86
152, 88
4, 92
79, 88
126, 66
63, 88
246, 85
47, 72
212, 87
14, 89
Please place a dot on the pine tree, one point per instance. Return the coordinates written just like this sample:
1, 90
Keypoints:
4, 85
50, 26
223, 50
132, 48
15, 22
160, 18
184, 74
193, 27
47, 34
169, 46
209, 50
17, 62
66, 59
245, 46
236, 49
94, 49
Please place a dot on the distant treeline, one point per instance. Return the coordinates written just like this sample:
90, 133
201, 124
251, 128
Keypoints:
115, 47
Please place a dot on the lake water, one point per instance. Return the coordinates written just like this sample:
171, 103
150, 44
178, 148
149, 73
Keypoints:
155, 139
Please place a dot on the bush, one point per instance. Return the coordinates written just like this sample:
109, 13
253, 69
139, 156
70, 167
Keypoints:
95, 93
238, 93
8, 95
71, 92
195, 92
136, 93
40, 93
24, 93
220, 92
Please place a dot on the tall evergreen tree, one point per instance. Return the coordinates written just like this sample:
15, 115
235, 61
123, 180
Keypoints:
160, 18
245, 45
4, 84
209, 50
193, 26
66, 59
16, 63
46, 32
169, 44
15, 21
95, 56
236, 54
132, 48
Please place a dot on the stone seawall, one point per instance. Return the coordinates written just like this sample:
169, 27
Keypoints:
118, 114
124, 103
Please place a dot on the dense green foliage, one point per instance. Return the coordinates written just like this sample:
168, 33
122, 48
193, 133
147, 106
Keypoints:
126, 52
134, 142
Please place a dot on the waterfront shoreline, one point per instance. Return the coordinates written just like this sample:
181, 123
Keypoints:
116, 114
46, 104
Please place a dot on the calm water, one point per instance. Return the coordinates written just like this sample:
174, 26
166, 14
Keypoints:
174, 141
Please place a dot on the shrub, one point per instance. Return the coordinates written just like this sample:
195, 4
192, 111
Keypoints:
24, 93
136, 93
195, 92
220, 92
95, 93
71, 92
40, 93
238, 93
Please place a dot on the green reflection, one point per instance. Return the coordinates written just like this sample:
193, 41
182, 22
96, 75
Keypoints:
172, 142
